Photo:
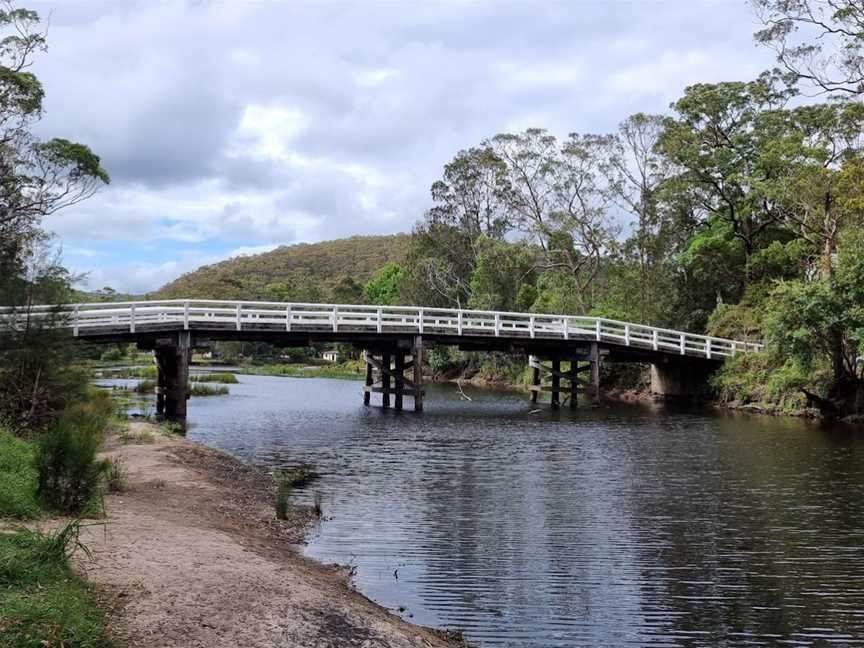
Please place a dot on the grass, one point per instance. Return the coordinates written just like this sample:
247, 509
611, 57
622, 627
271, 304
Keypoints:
217, 377
195, 388
114, 471
148, 371
143, 436
282, 494
43, 602
351, 370
18, 477
199, 389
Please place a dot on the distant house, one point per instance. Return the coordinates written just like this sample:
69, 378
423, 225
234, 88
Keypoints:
331, 355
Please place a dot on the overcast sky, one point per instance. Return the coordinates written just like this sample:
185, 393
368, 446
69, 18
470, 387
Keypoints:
235, 127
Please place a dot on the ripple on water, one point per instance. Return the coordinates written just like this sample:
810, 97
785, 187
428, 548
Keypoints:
624, 525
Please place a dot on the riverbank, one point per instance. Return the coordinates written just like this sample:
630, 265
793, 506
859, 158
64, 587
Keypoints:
192, 555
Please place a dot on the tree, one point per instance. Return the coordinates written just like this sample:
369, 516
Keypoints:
385, 286
821, 42
37, 178
346, 291
823, 321
637, 172
504, 276
560, 200
723, 139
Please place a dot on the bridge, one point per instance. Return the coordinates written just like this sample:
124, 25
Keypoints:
393, 339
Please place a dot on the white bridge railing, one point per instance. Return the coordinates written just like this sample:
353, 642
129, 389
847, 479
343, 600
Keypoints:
110, 317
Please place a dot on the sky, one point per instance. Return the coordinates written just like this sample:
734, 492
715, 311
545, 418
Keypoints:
235, 127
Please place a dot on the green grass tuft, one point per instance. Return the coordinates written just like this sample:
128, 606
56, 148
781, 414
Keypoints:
217, 377
43, 602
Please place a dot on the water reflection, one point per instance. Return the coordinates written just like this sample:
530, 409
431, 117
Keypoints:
611, 526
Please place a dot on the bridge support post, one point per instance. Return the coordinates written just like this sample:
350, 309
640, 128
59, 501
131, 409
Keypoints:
385, 374
418, 373
588, 361
173, 376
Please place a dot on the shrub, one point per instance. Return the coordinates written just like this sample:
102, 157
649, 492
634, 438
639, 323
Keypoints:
18, 477
68, 470
112, 355
145, 386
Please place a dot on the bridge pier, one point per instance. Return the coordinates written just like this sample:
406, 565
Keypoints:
683, 379
587, 361
385, 373
172, 362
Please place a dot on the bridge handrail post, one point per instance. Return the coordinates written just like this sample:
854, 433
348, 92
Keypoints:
654, 341
459, 321
239, 323
683, 344
531, 325
75, 321
627, 334
288, 318
186, 315
420, 321
335, 315
565, 328
597, 331
497, 324
708, 348
132, 318
379, 319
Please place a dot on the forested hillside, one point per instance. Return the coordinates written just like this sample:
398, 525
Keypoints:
327, 271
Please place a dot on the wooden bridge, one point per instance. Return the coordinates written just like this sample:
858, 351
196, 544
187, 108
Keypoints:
393, 338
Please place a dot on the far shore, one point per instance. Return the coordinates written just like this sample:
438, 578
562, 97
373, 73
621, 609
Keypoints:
192, 555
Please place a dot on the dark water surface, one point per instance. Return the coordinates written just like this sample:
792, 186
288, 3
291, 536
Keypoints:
620, 525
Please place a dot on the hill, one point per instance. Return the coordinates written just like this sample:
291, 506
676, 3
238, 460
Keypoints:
303, 272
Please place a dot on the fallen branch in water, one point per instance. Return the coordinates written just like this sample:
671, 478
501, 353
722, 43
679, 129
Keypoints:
462, 391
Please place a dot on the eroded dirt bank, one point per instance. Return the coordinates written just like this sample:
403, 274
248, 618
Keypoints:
191, 556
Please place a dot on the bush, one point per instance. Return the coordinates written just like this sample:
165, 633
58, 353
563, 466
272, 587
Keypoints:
112, 355
68, 470
18, 477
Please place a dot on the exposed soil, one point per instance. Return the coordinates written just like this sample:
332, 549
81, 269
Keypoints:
192, 556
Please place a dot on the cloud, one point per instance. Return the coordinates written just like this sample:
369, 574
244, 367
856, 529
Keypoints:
243, 126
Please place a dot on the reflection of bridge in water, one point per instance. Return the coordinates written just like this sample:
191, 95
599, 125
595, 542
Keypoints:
393, 339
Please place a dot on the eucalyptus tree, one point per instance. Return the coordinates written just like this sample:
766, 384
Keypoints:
559, 197
37, 178
821, 42
722, 137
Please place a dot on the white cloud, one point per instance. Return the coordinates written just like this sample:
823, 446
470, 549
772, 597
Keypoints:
242, 126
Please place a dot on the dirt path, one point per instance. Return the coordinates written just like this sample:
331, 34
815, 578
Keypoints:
191, 556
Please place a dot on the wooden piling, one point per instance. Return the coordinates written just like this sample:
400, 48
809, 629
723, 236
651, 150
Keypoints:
418, 373
385, 379
556, 382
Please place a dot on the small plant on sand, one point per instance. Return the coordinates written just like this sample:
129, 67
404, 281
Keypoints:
115, 475
128, 436
283, 492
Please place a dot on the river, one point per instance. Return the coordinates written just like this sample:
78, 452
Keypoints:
623, 524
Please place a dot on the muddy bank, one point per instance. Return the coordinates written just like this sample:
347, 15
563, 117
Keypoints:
192, 556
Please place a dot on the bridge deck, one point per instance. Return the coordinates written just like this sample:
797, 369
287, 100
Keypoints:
345, 322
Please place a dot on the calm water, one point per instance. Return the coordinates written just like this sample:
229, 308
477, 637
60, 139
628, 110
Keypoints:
620, 525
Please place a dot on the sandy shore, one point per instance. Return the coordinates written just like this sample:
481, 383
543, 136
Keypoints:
192, 556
